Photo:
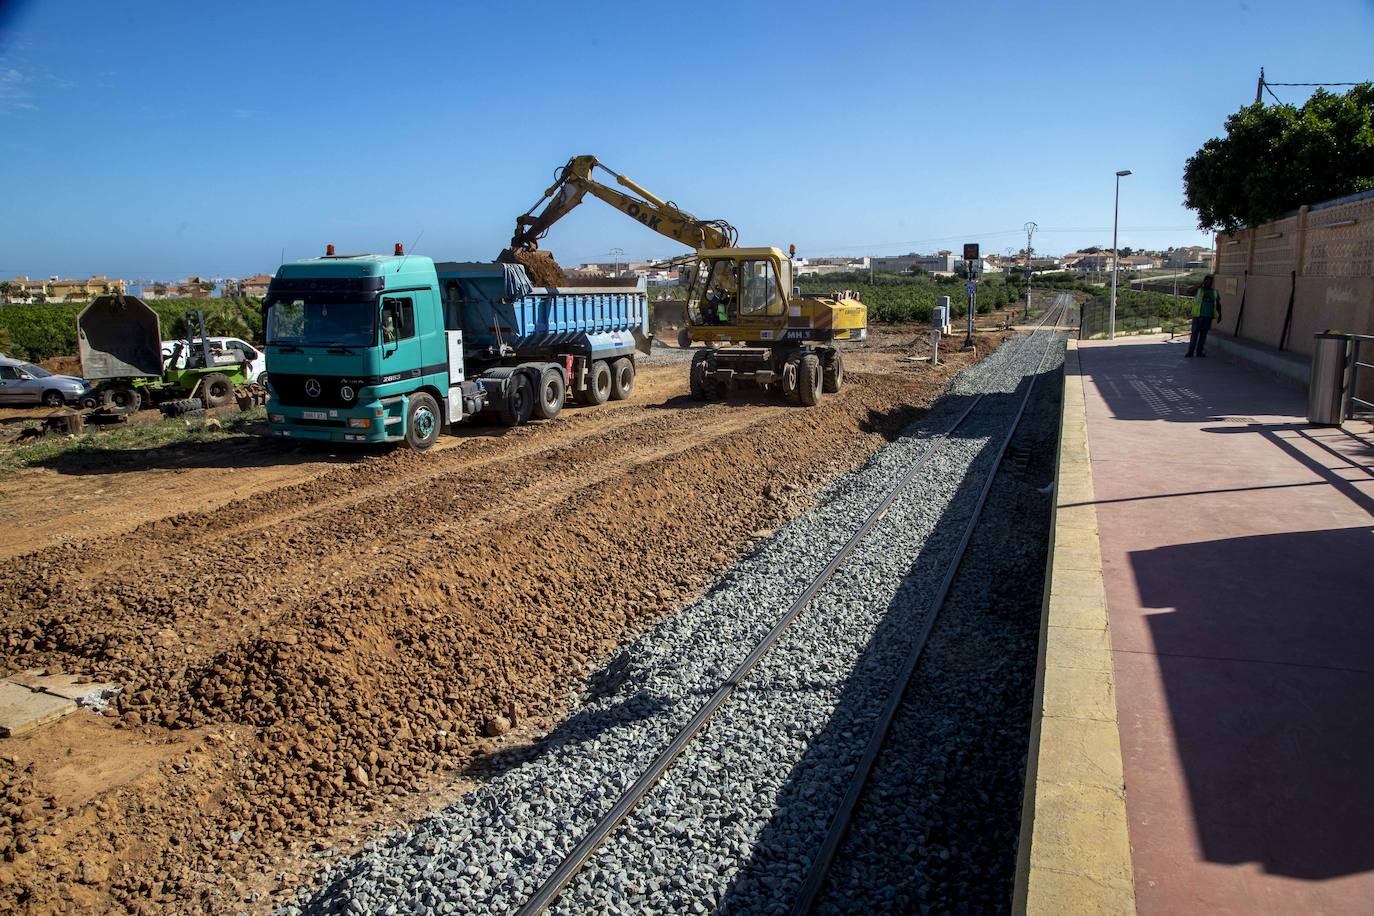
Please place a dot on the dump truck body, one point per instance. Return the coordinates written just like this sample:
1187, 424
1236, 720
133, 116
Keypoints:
371, 348
119, 340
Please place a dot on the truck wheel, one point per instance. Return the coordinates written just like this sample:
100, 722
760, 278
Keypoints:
216, 389
701, 382
684, 338
622, 378
552, 391
516, 409
423, 421
123, 398
834, 373
598, 390
53, 399
809, 380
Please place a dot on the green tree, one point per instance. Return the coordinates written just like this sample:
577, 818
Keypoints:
1275, 158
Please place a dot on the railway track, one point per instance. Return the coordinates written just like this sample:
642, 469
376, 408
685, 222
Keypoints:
1044, 337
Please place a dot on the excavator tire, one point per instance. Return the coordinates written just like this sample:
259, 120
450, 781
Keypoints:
622, 378
789, 377
809, 380
216, 389
834, 373
552, 391
701, 383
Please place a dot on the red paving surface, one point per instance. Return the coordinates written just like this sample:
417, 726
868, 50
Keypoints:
1238, 560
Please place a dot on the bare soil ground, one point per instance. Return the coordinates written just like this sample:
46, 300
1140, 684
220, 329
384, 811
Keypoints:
316, 644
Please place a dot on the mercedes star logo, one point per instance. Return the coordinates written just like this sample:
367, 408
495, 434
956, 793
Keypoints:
312, 387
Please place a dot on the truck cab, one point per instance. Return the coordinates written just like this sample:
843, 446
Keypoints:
357, 350
394, 348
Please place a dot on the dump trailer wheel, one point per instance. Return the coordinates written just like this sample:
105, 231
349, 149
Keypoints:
518, 406
123, 398
598, 388
423, 421
701, 383
552, 391
809, 380
216, 389
684, 338
834, 373
622, 378
53, 398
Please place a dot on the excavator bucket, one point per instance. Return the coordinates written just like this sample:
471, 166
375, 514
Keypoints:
539, 266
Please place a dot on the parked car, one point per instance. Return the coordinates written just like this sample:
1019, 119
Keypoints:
25, 383
175, 350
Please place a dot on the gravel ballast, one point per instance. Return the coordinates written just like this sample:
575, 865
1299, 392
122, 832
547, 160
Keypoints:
732, 824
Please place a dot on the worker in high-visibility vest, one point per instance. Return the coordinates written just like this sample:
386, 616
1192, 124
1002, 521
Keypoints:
1206, 309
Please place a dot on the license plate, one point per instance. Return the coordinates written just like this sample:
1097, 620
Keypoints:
315, 415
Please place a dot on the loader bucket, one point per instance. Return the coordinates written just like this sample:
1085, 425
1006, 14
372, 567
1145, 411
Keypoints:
119, 337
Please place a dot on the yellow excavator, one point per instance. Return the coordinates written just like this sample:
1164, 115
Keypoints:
757, 326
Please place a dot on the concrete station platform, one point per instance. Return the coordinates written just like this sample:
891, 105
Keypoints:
1204, 730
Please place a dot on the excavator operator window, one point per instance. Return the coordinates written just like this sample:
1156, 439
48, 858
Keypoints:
761, 297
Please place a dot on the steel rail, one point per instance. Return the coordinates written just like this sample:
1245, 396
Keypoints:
839, 826
573, 862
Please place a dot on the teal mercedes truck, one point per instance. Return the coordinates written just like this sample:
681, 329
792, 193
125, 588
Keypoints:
396, 348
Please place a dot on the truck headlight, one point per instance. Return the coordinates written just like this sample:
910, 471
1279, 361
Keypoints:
359, 422
277, 418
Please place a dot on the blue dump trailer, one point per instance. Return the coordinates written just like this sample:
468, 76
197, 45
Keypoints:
391, 348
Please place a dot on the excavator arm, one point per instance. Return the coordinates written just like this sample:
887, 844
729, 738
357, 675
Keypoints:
575, 180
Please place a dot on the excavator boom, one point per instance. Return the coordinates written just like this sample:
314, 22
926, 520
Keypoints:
575, 180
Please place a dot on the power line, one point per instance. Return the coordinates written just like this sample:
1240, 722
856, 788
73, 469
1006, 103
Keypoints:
1271, 93
1267, 83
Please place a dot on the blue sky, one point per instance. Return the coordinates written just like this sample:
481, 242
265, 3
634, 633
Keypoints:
152, 139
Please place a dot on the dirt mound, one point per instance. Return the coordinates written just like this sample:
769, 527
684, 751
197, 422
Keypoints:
63, 365
300, 661
541, 267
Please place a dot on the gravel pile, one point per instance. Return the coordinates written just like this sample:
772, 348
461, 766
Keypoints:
757, 785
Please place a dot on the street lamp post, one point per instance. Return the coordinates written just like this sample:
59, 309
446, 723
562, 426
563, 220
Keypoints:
1116, 213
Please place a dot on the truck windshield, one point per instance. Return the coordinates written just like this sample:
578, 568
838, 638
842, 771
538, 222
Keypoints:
322, 324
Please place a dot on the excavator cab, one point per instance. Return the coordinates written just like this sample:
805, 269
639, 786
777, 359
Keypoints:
759, 331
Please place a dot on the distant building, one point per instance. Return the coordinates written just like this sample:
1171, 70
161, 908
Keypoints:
254, 286
943, 262
190, 288
1139, 262
1191, 257
54, 289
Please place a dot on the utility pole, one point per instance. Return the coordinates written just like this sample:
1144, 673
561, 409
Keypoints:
1259, 87
617, 254
1030, 228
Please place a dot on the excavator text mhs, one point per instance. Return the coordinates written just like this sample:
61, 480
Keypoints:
757, 326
